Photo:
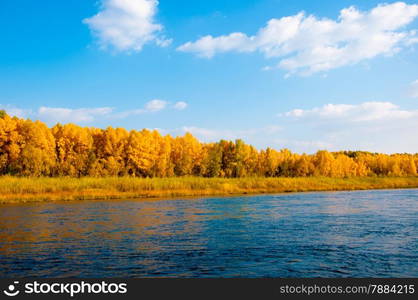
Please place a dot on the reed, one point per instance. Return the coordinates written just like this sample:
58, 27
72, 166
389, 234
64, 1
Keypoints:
24, 189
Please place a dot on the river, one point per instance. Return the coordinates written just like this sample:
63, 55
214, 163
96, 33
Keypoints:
331, 234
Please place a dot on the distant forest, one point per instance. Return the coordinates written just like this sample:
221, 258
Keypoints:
30, 148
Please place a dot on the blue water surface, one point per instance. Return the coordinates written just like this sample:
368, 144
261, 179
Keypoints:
332, 234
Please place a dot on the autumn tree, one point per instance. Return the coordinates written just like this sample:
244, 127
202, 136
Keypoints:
141, 153
10, 143
213, 161
109, 156
30, 148
186, 155
37, 150
74, 146
304, 166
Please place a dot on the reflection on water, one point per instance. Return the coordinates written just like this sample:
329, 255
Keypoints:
339, 234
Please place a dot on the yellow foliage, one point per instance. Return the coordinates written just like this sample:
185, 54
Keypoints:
30, 148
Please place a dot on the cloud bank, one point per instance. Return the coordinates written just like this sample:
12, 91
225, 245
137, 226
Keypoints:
52, 115
348, 113
67, 115
413, 89
214, 135
306, 44
127, 25
369, 126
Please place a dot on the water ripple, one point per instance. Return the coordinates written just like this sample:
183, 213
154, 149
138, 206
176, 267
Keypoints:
336, 234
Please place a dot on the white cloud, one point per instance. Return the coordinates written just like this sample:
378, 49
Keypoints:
260, 138
369, 126
155, 105
364, 112
68, 115
302, 146
127, 25
52, 115
15, 111
413, 89
152, 106
208, 46
306, 44
204, 133
181, 105
214, 135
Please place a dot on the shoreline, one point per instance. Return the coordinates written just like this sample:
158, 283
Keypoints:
24, 190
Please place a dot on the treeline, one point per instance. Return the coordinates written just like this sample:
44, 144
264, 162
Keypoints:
30, 148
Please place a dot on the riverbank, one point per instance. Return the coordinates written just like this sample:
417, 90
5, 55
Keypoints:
18, 189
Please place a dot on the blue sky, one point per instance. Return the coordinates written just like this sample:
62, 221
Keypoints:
305, 75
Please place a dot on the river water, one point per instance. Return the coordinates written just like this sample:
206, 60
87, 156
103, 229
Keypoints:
332, 234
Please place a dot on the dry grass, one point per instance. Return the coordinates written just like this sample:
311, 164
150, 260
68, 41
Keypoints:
18, 189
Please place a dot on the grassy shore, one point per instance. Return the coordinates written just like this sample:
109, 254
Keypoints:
17, 190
